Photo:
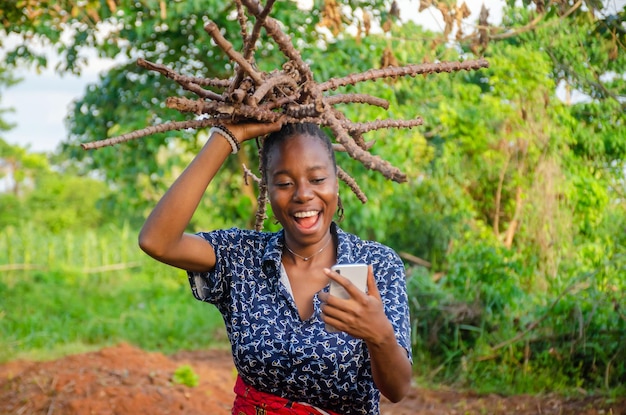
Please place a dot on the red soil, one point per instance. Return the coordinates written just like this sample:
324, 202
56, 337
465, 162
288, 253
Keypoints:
125, 380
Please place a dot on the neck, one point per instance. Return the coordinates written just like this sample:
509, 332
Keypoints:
312, 253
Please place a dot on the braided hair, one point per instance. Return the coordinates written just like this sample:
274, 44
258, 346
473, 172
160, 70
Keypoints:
290, 130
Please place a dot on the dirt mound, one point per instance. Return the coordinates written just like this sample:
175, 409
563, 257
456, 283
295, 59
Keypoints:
124, 380
117, 380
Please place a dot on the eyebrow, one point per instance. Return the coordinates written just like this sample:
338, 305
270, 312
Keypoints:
311, 169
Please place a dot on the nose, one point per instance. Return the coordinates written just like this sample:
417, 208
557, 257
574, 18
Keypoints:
303, 191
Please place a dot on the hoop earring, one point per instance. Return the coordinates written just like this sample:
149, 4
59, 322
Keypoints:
339, 210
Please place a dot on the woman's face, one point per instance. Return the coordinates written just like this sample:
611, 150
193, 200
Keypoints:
302, 185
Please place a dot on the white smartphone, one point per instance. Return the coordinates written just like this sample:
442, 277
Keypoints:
356, 273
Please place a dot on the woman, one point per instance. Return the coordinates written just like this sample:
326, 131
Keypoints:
272, 288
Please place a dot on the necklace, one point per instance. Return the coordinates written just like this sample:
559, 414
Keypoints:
306, 258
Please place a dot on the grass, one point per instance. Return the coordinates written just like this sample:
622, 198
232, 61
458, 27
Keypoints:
62, 294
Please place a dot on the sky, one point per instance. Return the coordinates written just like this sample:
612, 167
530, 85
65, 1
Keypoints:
42, 101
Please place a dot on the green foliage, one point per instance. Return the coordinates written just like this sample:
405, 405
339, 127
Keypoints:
184, 375
12, 210
57, 199
528, 295
484, 273
586, 334
56, 203
590, 199
23, 165
63, 203
561, 341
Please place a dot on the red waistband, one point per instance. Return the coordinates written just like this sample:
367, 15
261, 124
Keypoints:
250, 401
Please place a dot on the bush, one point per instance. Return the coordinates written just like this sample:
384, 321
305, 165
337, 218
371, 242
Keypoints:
62, 203
476, 327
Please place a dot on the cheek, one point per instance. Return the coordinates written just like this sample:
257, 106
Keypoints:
276, 201
335, 188
333, 197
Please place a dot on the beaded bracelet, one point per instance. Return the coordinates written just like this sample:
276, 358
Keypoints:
228, 135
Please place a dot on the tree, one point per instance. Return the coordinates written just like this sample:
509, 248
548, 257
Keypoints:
21, 166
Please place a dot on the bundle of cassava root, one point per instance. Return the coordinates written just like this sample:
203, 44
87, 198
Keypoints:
289, 94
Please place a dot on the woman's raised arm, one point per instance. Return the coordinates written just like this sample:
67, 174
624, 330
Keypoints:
163, 234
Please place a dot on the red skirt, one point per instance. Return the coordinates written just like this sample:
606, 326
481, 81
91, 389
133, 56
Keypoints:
250, 401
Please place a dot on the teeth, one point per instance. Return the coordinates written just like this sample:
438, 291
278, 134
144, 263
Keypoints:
306, 214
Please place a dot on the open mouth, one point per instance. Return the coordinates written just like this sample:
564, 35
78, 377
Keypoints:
307, 219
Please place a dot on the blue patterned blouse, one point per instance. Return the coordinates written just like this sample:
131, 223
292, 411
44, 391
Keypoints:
273, 349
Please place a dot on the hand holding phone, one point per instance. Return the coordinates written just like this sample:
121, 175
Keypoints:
357, 274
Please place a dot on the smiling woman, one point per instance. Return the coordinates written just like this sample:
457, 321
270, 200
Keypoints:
310, 179
272, 287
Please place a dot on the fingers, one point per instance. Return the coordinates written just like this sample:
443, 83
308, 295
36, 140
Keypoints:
342, 312
351, 289
260, 129
372, 288
247, 131
337, 312
362, 315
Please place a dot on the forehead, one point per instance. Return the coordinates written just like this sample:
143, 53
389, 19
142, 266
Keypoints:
299, 149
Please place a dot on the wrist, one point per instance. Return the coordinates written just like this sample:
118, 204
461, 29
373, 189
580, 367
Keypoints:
384, 339
228, 135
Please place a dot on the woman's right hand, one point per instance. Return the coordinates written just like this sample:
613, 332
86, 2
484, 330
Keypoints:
249, 130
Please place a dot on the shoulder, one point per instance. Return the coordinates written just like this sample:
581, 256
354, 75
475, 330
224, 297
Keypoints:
236, 233
363, 249
236, 236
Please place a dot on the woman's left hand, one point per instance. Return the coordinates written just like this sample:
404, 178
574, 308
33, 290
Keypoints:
362, 315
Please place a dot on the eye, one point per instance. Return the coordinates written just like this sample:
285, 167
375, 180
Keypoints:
318, 180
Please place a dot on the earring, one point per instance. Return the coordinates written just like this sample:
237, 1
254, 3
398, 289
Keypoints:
339, 209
